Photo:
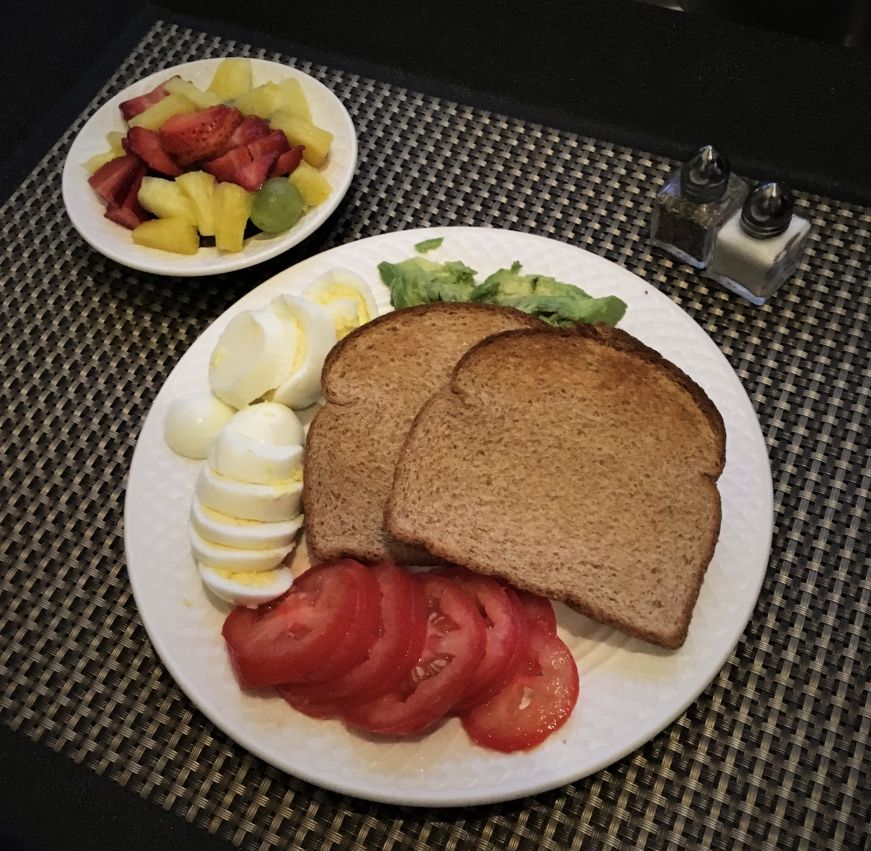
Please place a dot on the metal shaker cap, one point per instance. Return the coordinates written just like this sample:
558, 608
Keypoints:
767, 210
705, 175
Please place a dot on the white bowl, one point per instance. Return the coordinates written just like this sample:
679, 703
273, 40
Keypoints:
86, 209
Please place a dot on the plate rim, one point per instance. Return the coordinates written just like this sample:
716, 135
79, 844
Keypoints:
74, 181
484, 796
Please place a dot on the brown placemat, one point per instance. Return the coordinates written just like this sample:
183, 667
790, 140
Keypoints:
773, 754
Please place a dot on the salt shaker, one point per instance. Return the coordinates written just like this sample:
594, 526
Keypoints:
760, 246
695, 200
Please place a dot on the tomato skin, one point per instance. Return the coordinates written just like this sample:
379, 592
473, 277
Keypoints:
505, 634
548, 678
286, 639
454, 646
539, 610
397, 647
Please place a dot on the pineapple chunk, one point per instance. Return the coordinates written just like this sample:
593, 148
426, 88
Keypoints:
202, 100
232, 206
116, 149
157, 114
166, 200
262, 101
199, 187
176, 235
310, 183
291, 98
317, 141
232, 78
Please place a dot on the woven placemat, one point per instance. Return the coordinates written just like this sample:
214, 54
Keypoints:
771, 755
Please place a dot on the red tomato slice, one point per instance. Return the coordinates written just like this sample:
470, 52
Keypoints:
401, 633
505, 630
453, 648
539, 610
534, 703
362, 630
283, 641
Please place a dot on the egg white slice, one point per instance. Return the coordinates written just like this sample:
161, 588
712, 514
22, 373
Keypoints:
239, 457
275, 502
242, 534
268, 422
334, 289
192, 422
254, 354
234, 558
317, 336
247, 589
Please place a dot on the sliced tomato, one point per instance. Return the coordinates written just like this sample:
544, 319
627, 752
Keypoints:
399, 642
505, 633
283, 641
539, 610
454, 645
363, 625
534, 703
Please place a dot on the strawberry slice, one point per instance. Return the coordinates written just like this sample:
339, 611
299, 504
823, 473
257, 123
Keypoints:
129, 212
225, 167
253, 175
199, 135
146, 145
249, 130
112, 181
275, 141
131, 108
288, 161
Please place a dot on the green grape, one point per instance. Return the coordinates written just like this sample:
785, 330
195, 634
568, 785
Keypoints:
277, 206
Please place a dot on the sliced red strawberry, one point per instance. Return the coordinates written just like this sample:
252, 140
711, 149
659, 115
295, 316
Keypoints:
130, 213
288, 161
131, 108
199, 135
225, 167
249, 130
146, 145
276, 141
112, 180
253, 175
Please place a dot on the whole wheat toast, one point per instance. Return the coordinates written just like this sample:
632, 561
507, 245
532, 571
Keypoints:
578, 464
375, 381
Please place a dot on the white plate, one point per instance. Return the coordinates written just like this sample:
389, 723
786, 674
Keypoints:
86, 210
629, 690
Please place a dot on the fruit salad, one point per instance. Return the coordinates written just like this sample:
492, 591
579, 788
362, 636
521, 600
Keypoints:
200, 167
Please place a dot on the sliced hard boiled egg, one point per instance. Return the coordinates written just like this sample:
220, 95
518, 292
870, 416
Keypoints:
268, 423
246, 589
275, 502
347, 298
234, 558
316, 335
253, 355
242, 534
192, 422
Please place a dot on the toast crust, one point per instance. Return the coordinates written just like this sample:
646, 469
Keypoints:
375, 381
459, 400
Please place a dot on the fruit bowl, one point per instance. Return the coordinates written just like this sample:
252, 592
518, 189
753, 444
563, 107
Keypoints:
87, 211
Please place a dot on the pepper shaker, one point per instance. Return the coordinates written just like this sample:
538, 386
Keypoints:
760, 246
695, 200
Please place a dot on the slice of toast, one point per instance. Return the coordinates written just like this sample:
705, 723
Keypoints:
375, 381
578, 464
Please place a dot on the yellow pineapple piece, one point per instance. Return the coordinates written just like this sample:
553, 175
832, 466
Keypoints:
203, 100
289, 97
176, 235
310, 183
232, 207
261, 101
116, 149
159, 113
166, 200
199, 187
317, 141
232, 78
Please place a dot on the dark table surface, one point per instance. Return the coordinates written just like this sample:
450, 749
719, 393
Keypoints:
782, 105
